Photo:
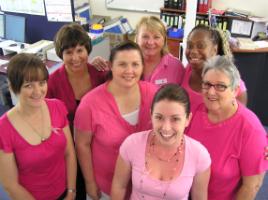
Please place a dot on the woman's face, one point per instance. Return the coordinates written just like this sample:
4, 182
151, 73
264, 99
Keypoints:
150, 42
75, 58
199, 48
32, 93
169, 120
221, 98
127, 68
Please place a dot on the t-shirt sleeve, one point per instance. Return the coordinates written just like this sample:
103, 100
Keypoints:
204, 160
83, 117
5, 136
125, 149
252, 159
62, 111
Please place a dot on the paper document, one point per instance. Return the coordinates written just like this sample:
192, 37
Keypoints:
59, 11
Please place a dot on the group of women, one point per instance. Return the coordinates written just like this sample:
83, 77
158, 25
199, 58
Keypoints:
206, 145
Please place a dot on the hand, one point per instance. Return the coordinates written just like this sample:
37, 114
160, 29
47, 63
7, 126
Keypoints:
100, 64
93, 191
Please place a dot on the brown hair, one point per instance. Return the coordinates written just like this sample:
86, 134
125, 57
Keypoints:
172, 92
71, 35
25, 67
153, 24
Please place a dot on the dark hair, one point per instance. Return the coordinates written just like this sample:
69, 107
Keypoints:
214, 35
25, 67
124, 46
71, 35
172, 92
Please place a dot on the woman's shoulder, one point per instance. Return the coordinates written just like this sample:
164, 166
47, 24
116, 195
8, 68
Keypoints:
194, 144
137, 139
171, 60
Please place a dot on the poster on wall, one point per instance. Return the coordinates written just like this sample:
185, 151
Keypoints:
32, 7
59, 11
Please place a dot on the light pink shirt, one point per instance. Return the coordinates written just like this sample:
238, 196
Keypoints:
41, 168
98, 114
236, 147
196, 160
169, 70
196, 97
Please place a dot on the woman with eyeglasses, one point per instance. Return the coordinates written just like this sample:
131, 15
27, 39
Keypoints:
232, 134
203, 43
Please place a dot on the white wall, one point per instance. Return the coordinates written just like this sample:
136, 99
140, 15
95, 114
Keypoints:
256, 7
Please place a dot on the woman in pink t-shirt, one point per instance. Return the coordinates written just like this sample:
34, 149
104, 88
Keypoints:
232, 134
110, 113
160, 67
163, 163
204, 42
37, 157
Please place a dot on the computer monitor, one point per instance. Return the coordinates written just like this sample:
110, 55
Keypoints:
2, 26
15, 27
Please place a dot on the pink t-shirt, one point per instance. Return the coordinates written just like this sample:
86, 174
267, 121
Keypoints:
169, 70
196, 97
98, 113
236, 147
196, 160
59, 87
41, 168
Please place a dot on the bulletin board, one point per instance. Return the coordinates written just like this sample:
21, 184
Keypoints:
136, 5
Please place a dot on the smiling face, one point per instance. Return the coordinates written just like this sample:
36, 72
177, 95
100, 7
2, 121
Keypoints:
75, 58
218, 100
127, 68
169, 120
32, 93
199, 48
151, 42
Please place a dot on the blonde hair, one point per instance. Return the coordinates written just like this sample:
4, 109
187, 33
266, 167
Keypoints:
154, 24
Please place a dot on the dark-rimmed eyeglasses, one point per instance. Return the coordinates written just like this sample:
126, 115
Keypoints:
218, 87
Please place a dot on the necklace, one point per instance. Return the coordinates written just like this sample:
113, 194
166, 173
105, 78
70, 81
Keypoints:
171, 167
39, 134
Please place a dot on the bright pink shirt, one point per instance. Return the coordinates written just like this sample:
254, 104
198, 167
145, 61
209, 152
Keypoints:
196, 97
41, 168
196, 160
98, 113
59, 87
236, 147
169, 70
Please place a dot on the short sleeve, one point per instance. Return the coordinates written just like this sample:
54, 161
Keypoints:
254, 142
83, 117
63, 111
124, 150
5, 135
204, 160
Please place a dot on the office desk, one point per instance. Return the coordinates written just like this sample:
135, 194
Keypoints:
253, 67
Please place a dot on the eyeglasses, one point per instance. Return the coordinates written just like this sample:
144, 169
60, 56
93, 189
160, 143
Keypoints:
218, 87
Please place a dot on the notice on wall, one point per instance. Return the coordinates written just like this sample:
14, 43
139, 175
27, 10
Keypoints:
59, 11
32, 7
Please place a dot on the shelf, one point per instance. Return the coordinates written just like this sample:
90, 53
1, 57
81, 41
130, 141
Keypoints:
170, 10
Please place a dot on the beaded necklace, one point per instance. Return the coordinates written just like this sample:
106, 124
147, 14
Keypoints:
172, 163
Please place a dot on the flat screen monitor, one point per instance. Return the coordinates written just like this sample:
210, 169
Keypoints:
15, 27
2, 26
